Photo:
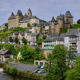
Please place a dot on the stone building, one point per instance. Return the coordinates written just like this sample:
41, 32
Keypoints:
61, 22
20, 20
5, 55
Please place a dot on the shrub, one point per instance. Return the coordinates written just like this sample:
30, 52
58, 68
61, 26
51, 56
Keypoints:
12, 71
19, 73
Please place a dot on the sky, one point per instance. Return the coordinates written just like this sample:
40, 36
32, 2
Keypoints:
44, 9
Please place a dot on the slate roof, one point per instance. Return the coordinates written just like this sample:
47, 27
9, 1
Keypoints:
55, 37
12, 16
68, 14
72, 32
3, 52
53, 19
19, 13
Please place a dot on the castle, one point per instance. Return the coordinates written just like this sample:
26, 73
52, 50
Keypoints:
19, 20
55, 25
61, 22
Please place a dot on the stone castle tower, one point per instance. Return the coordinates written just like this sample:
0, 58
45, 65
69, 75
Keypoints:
29, 13
13, 20
61, 21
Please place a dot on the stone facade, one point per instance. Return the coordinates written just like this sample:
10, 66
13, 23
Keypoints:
61, 21
19, 20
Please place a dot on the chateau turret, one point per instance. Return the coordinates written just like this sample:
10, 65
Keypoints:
68, 17
19, 13
12, 16
29, 13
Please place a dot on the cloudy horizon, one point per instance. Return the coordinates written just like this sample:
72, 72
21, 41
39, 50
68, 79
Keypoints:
44, 9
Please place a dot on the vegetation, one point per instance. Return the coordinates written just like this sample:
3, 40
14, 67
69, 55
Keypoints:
74, 74
29, 54
57, 60
27, 75
78, 22
75, 26
4, 34
10, 39
24, 41
39, 42
16, 40
6, 24
13, 48
29, 25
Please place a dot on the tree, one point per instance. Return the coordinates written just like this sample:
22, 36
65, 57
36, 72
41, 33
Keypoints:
44, 37
39, 42
10, 39
24, 40
41, 30
57, 63
37, 55
74, 74
27, 53
6, 24
29, 25
78, 22
16, 40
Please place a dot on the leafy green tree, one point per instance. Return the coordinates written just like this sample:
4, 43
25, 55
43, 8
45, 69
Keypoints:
44, 37
16, 40
6, 24
74, 74
24, 40
27, 53
37, 55
10, 39
41, 30
78, 22
57, 66
29, 25
39, 42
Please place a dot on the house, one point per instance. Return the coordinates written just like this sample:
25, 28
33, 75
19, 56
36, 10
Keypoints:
72, 40
5, 55
35, 29
20, 37
49, 43
30, 37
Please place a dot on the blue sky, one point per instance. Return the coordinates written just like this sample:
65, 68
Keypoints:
43, 9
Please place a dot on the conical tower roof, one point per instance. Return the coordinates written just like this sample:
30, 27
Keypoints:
29, 13
53, 19
19, 13
68, 14
12, 14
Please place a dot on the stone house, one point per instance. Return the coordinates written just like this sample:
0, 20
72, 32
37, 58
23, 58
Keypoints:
5, 55
20, 37
49, 43
30, 37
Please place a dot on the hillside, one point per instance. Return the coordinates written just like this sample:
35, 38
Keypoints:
4, 34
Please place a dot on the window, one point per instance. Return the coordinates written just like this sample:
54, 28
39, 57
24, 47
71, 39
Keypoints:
36, 63
7, 56
41, 63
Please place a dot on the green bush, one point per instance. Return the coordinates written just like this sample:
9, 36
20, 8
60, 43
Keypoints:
6, 69
19, 73
12, 71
